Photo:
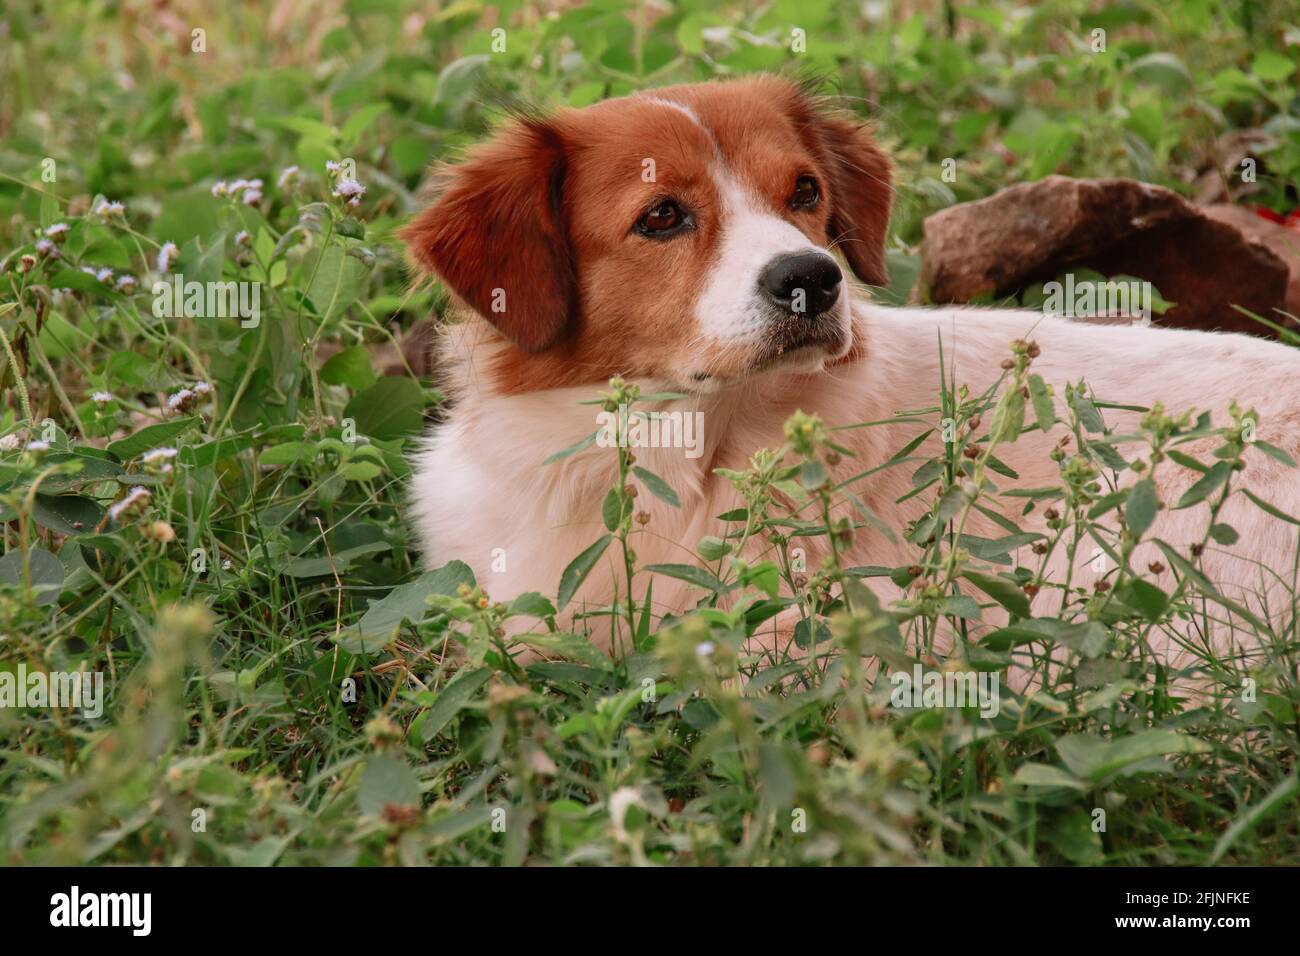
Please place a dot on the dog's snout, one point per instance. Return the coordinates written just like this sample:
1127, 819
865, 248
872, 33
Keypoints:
802, 283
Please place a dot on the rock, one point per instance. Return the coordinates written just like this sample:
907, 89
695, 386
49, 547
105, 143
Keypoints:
1281, 241
1037, 231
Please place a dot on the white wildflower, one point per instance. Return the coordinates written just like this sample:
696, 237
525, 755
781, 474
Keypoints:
138, 497
180, 401
108, 210
159, 459
166, 256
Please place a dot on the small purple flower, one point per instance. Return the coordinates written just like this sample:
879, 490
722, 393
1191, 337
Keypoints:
349, 190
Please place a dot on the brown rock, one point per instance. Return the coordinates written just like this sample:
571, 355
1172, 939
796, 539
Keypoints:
1036, 231
1281, 241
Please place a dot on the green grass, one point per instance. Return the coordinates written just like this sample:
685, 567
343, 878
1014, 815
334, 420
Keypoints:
249, 720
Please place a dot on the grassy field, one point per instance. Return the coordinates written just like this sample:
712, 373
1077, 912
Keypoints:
201, 510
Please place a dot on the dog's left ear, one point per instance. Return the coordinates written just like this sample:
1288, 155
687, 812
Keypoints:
496, 235
861, 191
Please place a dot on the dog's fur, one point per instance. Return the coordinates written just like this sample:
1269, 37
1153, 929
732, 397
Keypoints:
540, 219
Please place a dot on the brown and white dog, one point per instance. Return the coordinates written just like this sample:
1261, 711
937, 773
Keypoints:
664, 237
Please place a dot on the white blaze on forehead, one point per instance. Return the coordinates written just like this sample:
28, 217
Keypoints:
687, 112
730, 307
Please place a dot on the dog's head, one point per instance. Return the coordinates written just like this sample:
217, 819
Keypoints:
682, 235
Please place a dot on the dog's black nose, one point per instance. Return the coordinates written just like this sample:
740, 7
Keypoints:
802, 283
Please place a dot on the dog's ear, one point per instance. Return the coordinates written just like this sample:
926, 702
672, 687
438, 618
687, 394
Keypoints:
861, 190
496, 234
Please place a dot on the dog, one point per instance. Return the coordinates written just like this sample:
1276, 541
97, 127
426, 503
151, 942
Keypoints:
685, 239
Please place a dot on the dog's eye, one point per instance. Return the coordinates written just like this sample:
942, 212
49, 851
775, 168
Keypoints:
662, 220
805, 194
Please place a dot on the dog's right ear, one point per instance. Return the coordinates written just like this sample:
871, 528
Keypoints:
496, 234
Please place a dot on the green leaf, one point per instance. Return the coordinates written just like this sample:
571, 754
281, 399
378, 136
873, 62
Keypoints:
578, 570
150, 437
288, 453
1274, 452
452, 700
336, 283
1096, 759
613, 510
573, 449
62, 513
1224, 534
1089, 417
812, 475
1144, 597
531, 604
658, 487
1272, 67
351, 367
407, 602
1164, 70
1008, 418
1206, 485
1270, 509
688, 573
341, 561
46, 573
776, 777
391, 408
1044, 409
575, 647
1047, 776
1004, 592
361, 471
387, 781
1140, 511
